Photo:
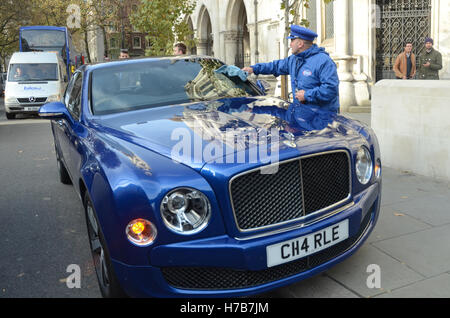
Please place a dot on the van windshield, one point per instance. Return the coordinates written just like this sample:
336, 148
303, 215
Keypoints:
33, 72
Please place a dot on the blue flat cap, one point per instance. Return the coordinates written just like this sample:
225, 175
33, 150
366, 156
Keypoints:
302, 33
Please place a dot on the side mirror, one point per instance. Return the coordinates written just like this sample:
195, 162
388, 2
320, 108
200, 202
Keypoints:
263, 85
54, 110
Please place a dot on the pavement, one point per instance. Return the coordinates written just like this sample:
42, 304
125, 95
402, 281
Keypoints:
409, 247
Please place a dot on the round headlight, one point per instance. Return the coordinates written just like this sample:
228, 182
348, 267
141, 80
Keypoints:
185, 210
363, 165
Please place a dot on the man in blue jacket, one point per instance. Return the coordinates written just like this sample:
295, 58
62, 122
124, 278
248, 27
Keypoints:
314, 78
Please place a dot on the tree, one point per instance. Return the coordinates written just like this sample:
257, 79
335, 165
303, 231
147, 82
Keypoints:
105, 13
13, 14
163, 22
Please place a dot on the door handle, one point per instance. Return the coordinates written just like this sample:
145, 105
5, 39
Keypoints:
60, 122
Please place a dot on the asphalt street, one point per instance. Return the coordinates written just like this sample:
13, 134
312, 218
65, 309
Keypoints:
43, 230
42, 224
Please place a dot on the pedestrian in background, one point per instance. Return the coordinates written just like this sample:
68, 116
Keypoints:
430, 62
314, 78
179, 49
405, 64
124, 54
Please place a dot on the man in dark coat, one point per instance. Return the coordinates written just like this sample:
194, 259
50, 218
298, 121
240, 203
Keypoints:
430, 62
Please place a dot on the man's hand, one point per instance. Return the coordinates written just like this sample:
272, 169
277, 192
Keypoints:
427, 64
300, 95
248, 69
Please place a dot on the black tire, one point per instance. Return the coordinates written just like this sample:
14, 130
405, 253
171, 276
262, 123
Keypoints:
63, 174
10, 116
107, 279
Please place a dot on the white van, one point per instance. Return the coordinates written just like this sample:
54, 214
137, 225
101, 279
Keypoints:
34, 78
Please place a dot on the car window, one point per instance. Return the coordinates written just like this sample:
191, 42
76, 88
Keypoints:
74, 98
152, 83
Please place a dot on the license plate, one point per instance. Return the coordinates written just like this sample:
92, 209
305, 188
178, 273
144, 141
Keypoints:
306, 245
31, 109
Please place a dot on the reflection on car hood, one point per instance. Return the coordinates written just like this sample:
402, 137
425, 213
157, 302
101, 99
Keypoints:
212, 131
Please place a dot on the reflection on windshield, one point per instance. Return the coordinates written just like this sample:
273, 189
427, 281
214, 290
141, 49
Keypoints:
209, 85
146, 84
33, 72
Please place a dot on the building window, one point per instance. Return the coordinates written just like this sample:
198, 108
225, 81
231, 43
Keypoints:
136, 42
111, 28
311, 15
113, 43
329, 21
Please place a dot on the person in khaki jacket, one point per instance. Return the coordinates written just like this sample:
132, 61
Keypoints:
405, 64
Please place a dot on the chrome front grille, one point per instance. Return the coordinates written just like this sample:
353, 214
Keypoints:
299, 188
34, 100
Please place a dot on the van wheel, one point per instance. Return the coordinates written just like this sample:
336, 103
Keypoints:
10, 116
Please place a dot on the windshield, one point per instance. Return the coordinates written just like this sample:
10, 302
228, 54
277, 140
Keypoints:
39, 39
148, 84
33, 72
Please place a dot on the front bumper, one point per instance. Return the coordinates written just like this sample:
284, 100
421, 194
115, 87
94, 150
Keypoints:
16, 108
228, 267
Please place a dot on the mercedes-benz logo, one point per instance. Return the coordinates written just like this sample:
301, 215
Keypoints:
31, 99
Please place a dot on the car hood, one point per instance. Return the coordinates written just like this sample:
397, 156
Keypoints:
232, 130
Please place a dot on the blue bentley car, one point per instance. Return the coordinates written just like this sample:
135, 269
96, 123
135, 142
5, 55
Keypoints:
196, 184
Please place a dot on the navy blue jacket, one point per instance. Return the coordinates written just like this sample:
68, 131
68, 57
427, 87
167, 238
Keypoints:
313, 71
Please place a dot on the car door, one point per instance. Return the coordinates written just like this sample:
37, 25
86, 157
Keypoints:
67, 129
73, 128
58, 125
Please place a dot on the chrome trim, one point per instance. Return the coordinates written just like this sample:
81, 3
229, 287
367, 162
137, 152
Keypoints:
50, 114
298, 226
301, 183
301, 178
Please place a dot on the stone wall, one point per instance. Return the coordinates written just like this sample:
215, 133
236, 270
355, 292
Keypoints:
412, 122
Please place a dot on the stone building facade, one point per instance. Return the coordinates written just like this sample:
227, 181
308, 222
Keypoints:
362, 36
120, 36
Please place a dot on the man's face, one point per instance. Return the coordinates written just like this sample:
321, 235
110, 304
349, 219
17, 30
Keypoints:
124, 55
177, 51
408, 48
428, 45
296, 45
